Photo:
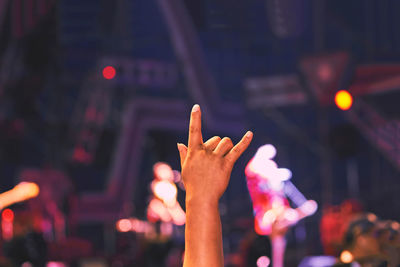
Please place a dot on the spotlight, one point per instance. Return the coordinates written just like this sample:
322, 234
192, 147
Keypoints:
343, 100
109, 72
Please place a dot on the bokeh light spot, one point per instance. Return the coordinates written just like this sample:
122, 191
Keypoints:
343, 100
124, 225
109, 72
7, 215
263, 261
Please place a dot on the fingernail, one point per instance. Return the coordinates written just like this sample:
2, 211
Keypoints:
195, 108
249, 134
178, 145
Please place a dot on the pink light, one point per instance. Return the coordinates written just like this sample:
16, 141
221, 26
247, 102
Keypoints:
325, 72
165, 191
291, 215
262, 166
109, 72
177, 214
157, 208
124, 225
309, 207
55, 264
163, 171
283, 174
263, 261
166, 229
266, 152
7, 227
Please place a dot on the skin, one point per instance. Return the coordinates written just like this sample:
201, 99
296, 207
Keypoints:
206, 170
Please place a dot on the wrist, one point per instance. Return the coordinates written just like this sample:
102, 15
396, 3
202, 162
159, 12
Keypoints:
201, 202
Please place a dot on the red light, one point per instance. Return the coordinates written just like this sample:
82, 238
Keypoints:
109, 72
7, 215
343, 100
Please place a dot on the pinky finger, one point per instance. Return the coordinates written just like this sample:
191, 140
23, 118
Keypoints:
239, 148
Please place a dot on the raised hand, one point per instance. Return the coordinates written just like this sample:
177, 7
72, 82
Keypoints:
206, 167
206, 170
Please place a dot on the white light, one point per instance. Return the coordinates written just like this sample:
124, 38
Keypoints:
266, 152
309, 207
291, 215
165, 191
263, 261
268, 218
284, 174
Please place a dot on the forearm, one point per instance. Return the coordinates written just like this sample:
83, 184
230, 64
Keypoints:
203, 237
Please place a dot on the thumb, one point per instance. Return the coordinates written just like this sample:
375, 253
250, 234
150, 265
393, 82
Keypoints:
182, 152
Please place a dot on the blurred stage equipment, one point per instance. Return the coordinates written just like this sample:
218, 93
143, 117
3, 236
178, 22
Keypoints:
325, 74
99, 106
163, 206
270, 189
378, 128
53, 204
287, 18
274, 91
334, 222
21, 192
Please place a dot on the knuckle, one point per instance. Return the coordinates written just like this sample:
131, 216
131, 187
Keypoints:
227, 140
193, 129
236, 150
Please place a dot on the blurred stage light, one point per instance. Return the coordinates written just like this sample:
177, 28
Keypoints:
291, 215
395, 226
309, 207
165, 191
124, 225
7, 224
346, 256
372, 217
109, 72
263, 261
343, 100
163, 171
266, 152
268, 218
56, 264
7, 215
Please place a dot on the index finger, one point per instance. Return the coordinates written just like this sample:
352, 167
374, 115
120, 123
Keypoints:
195, 137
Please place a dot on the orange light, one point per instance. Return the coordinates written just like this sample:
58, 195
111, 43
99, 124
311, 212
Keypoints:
346, 256
343, 100
7, 215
